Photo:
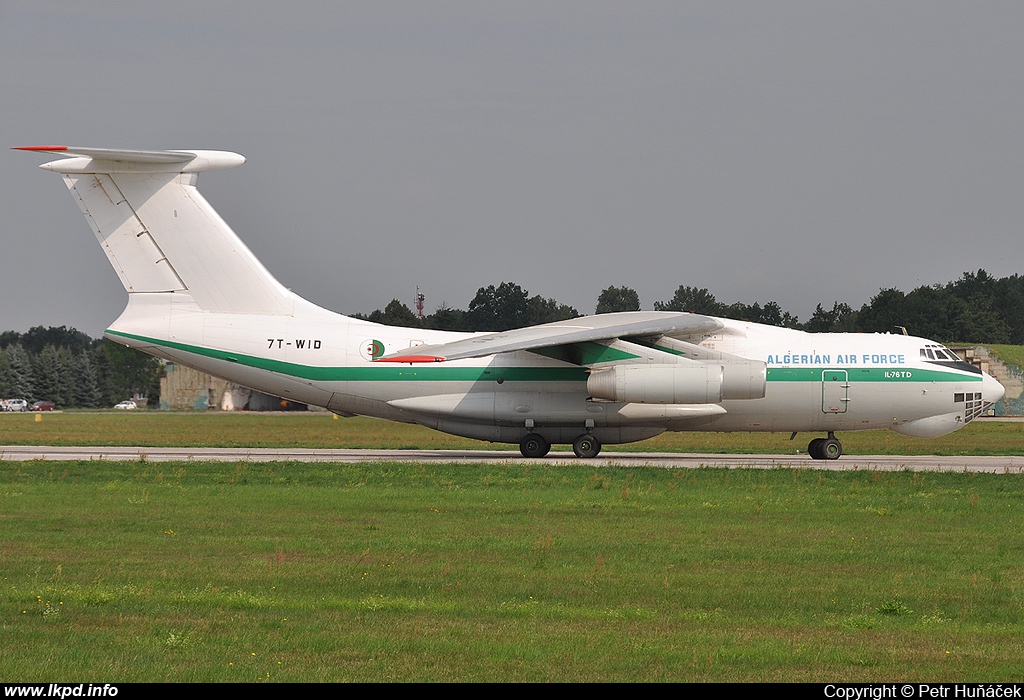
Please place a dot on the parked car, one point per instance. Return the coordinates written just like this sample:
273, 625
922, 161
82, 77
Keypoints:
42, 406
16, 405
127, 405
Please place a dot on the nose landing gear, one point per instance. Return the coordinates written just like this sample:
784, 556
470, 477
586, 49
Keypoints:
825, 448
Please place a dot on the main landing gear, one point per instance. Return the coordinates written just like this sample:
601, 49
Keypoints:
534, 446
825, 448
586, 446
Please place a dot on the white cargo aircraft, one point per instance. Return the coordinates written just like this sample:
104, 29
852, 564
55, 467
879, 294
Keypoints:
197, 296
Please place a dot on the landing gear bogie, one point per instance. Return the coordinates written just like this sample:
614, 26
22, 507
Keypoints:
825, 448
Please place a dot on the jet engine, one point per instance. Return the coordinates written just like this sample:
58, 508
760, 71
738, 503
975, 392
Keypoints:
699, 382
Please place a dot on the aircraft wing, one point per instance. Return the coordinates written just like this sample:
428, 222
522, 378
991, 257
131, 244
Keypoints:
630, 324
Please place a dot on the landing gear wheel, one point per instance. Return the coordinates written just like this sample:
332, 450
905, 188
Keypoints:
825, 448
586, 446
831, 449
533, 445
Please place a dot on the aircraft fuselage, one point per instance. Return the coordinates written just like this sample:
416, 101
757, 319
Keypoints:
812, 382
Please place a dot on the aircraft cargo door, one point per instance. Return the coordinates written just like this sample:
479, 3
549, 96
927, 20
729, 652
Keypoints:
835, 391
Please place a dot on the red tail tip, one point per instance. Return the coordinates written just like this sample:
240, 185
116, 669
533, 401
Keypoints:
40, 148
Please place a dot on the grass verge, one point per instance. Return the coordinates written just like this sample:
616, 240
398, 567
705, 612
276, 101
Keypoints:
374, 572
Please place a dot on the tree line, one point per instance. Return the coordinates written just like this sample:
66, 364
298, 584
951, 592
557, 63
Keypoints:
976, 308
67, 367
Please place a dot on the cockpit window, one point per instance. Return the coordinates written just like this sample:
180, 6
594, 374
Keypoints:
937, 352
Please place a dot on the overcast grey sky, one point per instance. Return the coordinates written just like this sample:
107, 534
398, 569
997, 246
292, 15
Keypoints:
800, 152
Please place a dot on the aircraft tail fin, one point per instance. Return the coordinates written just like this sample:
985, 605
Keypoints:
160, 234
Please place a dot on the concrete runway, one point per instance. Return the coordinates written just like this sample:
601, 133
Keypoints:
998, 465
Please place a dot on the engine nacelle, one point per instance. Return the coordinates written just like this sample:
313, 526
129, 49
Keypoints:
679, 384
698, 383
746, 379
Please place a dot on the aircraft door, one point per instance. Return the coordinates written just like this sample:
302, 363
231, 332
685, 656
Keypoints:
835, 391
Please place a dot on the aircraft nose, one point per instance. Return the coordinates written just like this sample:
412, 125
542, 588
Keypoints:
991, 389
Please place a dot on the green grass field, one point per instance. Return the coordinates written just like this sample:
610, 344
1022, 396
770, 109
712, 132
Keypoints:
137, 571
318, 430
403, 572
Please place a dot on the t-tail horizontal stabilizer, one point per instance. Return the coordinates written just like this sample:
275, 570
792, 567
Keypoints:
108, 160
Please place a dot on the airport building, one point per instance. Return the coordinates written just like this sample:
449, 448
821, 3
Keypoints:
183, 388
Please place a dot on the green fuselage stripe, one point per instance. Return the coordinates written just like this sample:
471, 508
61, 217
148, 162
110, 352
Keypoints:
892, 373
388, 372
439, 373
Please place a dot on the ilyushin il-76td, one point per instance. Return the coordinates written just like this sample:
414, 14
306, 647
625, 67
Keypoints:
197, 296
